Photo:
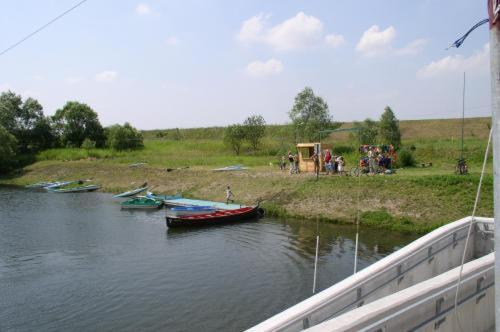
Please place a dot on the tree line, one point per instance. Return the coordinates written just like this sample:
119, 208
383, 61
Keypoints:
26, 130
310, 121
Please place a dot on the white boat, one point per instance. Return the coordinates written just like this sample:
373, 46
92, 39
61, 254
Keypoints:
90, 187
132, 192
411, 289
59, 184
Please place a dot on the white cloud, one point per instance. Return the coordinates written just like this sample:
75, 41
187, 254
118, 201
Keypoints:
172, 41
457, 64
252, 30
106, 76
413, 48
375, 42
299, 32
143, 9
264, 68
334, 40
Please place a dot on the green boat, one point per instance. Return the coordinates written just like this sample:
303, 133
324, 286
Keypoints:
142, 203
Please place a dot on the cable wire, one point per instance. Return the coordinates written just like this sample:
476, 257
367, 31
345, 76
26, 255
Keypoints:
41, 28
476, 202
457, 43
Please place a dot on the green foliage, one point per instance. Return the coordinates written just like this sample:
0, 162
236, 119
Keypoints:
77, 121
8, 149
389, 128
234, 136
124, 137
368, 131
342, 149
25, 120
406, 158
88, 144
309, 115
254, 128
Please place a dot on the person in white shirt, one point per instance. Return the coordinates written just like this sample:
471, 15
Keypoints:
229, 195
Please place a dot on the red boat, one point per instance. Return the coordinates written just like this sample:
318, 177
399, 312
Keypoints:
217, 217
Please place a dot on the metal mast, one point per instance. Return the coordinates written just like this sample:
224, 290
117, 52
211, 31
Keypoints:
494, 17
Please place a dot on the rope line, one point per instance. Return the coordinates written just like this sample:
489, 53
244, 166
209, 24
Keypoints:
41, 28
476, 202
457, 43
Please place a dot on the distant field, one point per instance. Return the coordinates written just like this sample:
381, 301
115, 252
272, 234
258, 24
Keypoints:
415, 199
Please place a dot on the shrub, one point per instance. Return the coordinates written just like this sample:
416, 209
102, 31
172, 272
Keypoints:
88, 144
124, 137
406, 158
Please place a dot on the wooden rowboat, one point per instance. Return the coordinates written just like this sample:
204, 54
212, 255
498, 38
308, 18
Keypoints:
216, 218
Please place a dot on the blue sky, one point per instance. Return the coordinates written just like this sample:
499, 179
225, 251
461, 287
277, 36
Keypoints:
165, 64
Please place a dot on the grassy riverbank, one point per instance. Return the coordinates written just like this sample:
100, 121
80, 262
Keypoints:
412, 200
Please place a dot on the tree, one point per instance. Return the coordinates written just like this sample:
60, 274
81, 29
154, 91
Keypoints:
234, 136
389, 128
124, 137
25, 120
255, 128
310, 114
7, 150
76, 122
367, 133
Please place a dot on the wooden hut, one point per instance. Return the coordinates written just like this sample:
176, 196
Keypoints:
306, 150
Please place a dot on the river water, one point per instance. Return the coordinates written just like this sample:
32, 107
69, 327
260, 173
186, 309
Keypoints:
77, 262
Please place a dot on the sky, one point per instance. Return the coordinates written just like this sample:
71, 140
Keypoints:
166, 64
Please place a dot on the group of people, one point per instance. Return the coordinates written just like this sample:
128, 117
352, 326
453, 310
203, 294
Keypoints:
378, 158
293, 160
334, 164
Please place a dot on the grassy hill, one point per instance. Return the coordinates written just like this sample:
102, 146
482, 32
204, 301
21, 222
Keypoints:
414, 199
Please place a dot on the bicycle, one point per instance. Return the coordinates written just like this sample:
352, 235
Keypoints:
461, 168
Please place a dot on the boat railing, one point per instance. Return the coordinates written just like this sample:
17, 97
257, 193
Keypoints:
429, 305
414, 263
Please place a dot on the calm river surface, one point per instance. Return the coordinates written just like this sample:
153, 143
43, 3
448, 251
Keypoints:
77, 262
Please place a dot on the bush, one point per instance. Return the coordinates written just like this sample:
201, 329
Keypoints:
406, 158
124, 137
88, 144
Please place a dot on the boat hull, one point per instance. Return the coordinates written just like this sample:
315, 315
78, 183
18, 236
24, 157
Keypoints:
215, 218
77, 190
131, 192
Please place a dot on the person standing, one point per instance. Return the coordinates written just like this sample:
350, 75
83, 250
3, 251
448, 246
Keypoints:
371, 160
328, 162
290, 160
229, 195
315, 159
